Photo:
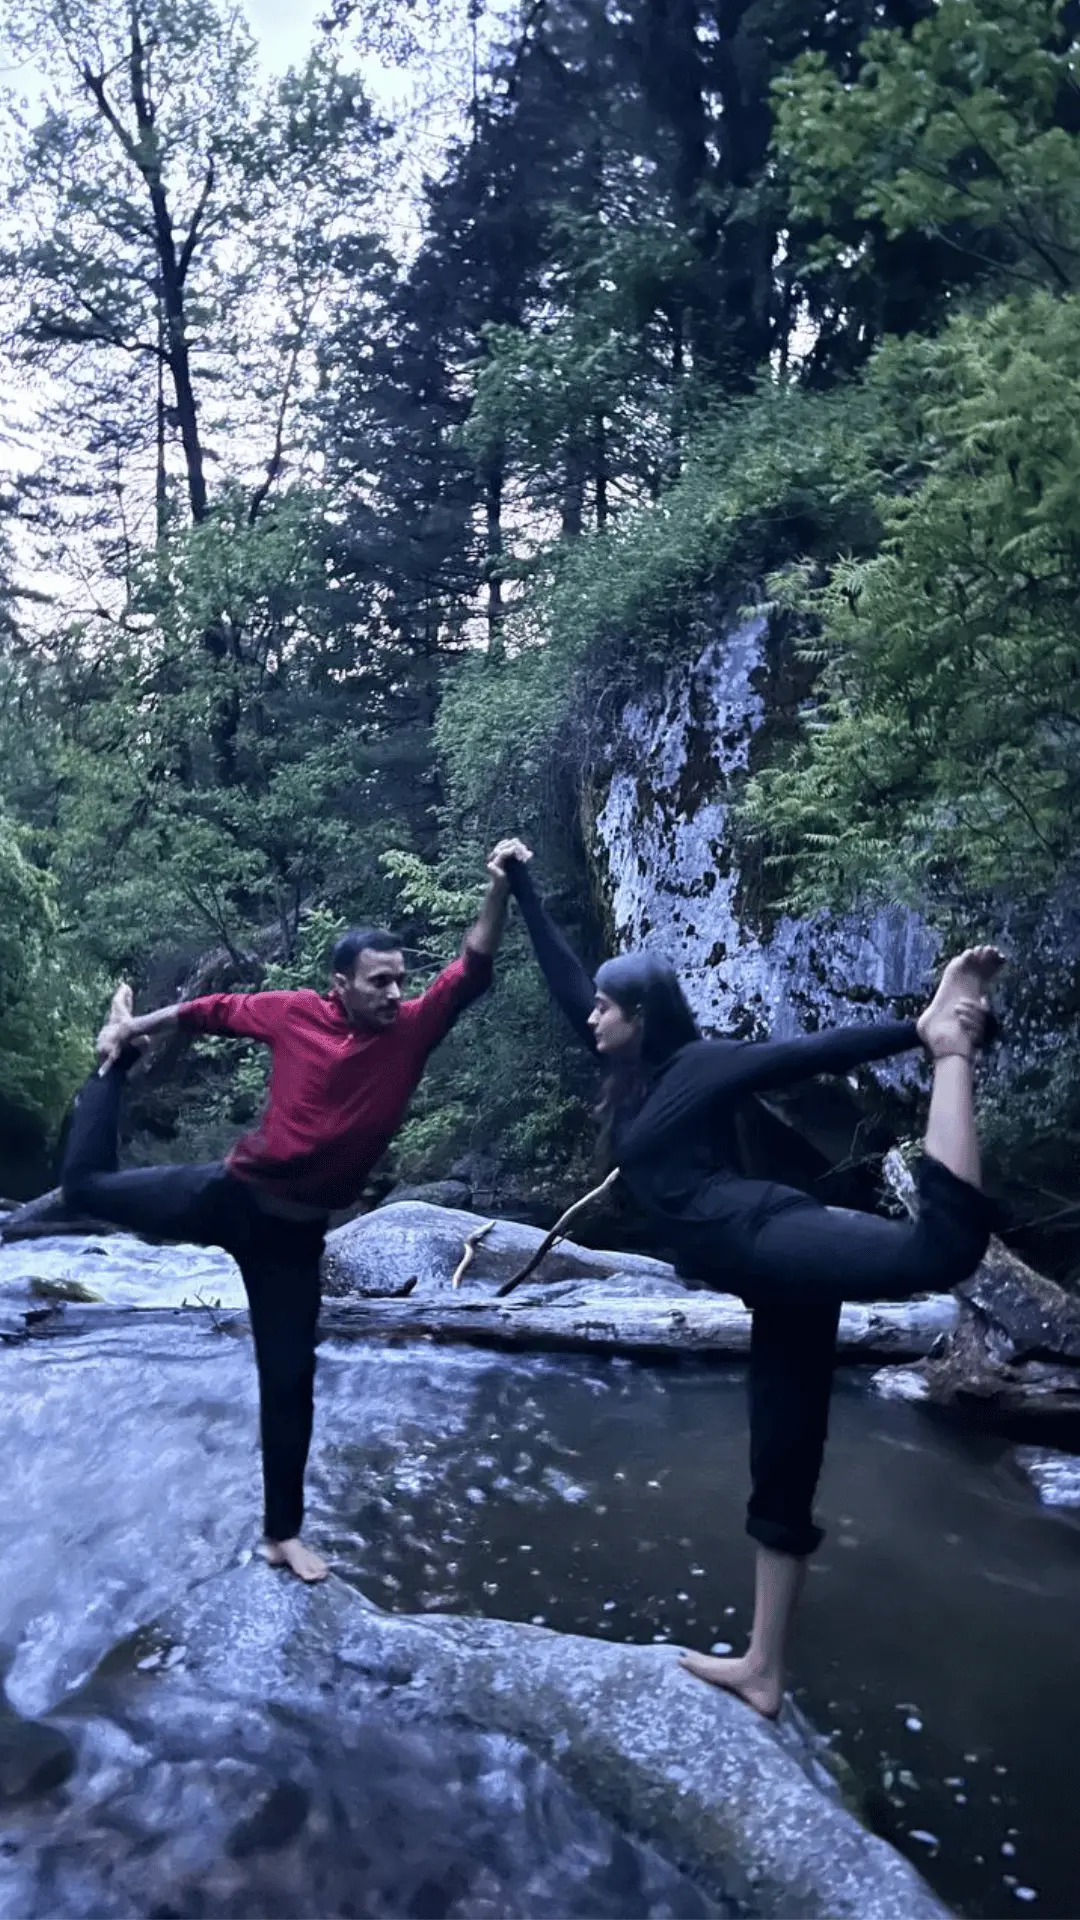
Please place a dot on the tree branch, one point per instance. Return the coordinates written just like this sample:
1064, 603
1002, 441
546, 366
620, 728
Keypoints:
95, 85
191, 241
558, 1232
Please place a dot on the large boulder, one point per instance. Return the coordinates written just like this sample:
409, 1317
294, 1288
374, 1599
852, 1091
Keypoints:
665, 844
261, 1748
713, 1788
1014, 1351
672, 874
393, 1269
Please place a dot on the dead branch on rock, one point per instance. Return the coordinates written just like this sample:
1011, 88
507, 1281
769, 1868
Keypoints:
558, 1232
472, 1241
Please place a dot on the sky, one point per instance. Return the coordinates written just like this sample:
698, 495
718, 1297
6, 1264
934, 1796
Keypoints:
283, 29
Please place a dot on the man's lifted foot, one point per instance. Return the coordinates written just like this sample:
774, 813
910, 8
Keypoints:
966, 979
747, 1682
122, 1006
299, 1559
116, 1036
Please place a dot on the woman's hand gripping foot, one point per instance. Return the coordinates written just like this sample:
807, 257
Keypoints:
955, 1020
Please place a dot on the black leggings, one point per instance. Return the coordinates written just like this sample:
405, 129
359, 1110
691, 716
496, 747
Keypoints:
796, 1268
278, 1260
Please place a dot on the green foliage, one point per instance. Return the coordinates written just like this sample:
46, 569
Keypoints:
952, 129
45, 995
214, 789
943, 757
781, 471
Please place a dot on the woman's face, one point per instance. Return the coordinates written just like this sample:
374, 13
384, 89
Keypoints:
614, 1029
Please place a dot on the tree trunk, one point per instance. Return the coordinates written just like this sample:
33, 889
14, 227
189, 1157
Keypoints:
493, 553
172, 269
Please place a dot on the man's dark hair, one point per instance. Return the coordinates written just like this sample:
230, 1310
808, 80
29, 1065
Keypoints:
360, 940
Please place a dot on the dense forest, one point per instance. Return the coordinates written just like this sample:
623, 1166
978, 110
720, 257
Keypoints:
358, 466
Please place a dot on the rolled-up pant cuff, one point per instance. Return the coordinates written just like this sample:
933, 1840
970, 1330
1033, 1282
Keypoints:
780, 1536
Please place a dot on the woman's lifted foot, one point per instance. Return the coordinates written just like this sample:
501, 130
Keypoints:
950, 1024
762, 1691
299, 1559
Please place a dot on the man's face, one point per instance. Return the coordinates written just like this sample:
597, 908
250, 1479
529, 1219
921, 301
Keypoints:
372, 996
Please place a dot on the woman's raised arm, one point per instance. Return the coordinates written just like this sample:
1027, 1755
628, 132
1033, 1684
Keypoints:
569, 982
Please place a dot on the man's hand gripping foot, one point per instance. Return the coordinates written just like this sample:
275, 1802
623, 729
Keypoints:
299, 1559
117, 1033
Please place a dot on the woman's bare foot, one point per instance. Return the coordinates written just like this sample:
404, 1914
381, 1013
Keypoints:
764, 1692
298, 1558
946, 1026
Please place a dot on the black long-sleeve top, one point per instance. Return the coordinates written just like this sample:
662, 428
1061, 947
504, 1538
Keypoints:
677, 1147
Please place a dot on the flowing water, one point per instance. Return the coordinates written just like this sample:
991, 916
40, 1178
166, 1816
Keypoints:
937, 1642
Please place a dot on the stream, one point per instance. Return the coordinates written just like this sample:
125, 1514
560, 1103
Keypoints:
936, 1642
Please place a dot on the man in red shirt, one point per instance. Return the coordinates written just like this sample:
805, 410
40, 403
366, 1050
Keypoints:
344, 1066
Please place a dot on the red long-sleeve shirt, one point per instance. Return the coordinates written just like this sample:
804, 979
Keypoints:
338, 1093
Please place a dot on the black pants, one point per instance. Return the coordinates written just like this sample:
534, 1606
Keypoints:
278, 1261
796, 1268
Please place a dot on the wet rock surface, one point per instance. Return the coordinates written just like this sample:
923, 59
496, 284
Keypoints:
189, 1733
263, 1767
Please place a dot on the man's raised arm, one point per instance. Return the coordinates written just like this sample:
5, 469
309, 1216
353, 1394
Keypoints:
486, 933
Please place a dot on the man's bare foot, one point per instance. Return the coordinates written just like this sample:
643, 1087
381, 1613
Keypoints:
116, 1035
298, 1558
122, 1007
946, 1026
760, 1691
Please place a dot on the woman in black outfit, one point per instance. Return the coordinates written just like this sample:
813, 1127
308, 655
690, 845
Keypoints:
670, 1106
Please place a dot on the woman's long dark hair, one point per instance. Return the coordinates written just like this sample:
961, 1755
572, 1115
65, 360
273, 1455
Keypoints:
640, 983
